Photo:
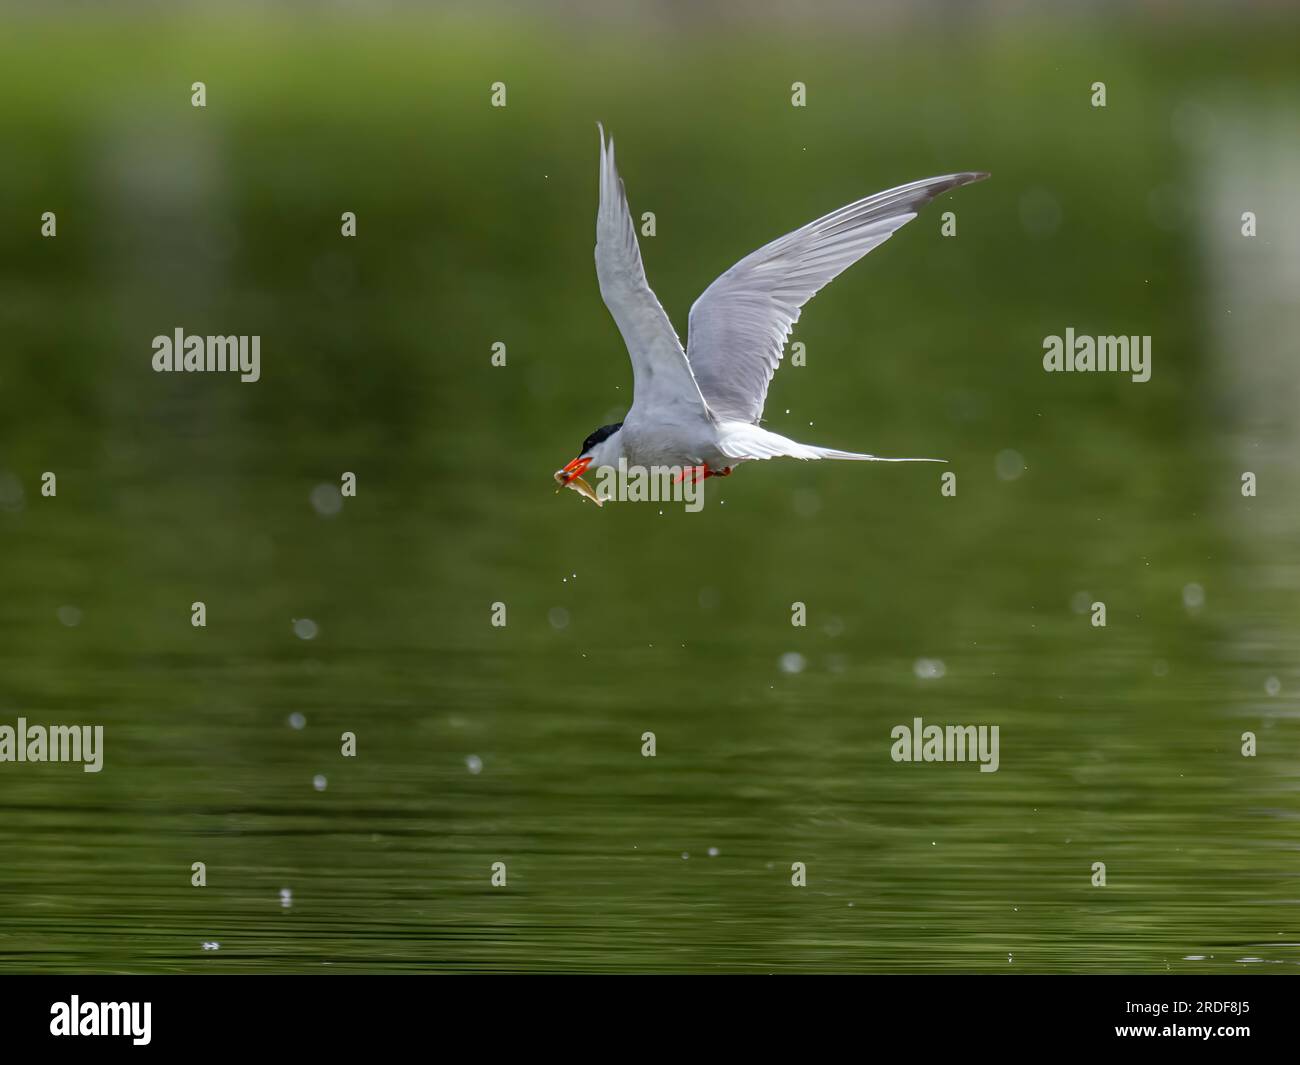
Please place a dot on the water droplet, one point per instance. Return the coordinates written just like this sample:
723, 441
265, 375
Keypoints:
792, 662
806, 502
286, 897
326, 500
1009, 464
558, 617
474, 764
212, 945
305, 628
1193, 596
1273, 686
297, 721
69, 616
714, 852
929, 668
319, 782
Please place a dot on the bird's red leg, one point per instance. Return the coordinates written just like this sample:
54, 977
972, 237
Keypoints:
701, 472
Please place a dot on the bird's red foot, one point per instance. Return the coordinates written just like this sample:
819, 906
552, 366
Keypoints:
699, 473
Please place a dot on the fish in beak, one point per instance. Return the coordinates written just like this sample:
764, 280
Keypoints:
571, 477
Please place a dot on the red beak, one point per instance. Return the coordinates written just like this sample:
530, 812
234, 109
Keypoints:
576, 468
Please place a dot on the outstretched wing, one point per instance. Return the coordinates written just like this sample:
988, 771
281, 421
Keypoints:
738, 327
662, 377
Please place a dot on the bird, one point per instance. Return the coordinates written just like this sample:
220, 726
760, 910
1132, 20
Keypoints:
698, 408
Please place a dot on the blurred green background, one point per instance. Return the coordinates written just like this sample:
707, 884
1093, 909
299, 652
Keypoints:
522, 744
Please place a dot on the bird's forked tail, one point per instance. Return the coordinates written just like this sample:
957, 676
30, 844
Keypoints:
745, 441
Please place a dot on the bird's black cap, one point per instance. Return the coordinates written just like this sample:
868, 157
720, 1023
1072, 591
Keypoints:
603, 433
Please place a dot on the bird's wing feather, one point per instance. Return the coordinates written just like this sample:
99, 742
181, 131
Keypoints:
739, 325
661, 375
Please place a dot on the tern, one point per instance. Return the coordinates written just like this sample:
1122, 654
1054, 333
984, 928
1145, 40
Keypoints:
698, 408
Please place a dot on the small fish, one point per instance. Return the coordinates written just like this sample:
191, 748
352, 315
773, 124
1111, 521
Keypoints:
574, 481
